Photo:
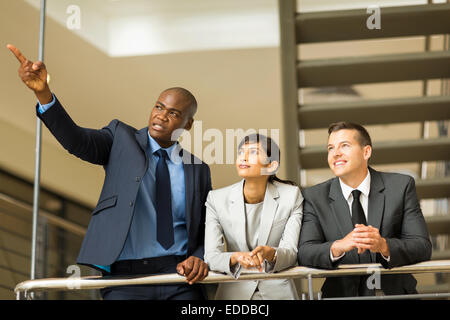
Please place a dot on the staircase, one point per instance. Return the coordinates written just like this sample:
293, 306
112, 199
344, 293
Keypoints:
297, 28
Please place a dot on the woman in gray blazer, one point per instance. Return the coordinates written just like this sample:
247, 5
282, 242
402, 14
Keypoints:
254, 225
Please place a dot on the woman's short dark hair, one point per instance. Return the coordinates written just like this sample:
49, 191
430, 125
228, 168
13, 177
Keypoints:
363, 136
270, 148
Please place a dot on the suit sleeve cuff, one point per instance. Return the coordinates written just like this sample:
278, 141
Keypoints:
235, 270
45, 107
388, 259
334, 259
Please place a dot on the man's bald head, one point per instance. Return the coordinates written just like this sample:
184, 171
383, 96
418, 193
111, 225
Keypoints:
186, 96
174, 109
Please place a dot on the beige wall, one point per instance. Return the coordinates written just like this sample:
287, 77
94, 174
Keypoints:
234, 88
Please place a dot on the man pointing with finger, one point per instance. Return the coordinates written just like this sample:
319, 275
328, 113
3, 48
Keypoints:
150, 215
362, 216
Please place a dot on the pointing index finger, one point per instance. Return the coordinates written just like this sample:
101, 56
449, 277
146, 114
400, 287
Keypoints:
16, 53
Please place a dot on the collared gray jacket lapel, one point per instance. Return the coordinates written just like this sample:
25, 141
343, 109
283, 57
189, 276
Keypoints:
341, 212
268, 213
376, 199
340, 208
376, 203
142, 139
237, 209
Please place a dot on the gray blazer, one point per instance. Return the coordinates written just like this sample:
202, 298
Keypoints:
279, 228
393, 209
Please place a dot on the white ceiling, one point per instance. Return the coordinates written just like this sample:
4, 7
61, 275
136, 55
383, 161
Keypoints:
326, 5
142, 27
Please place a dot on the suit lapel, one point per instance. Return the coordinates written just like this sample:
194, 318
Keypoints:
340, 208
237, 210
376, 199
189, 183
268, 213
341, 212
142, 139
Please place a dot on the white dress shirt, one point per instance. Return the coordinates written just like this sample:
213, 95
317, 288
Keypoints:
364, 187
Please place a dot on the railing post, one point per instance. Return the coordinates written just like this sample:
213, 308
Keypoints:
310, 287
37, 168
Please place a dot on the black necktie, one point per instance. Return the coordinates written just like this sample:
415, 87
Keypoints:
358, 216
163, 205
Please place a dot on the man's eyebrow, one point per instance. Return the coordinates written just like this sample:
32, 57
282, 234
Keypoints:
170, 109
340, 142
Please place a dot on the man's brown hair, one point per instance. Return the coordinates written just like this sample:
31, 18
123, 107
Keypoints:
363, 136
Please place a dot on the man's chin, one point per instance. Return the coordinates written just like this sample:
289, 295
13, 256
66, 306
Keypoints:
157, 135
339, 172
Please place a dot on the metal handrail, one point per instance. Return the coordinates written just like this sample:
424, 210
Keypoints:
98, 282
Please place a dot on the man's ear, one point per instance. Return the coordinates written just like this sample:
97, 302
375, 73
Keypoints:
367, 152
189, 123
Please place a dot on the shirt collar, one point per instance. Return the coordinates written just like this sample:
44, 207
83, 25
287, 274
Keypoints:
364, 187
173, 151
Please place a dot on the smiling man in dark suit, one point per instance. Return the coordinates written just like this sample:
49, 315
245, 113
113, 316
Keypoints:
150, 216
362, 216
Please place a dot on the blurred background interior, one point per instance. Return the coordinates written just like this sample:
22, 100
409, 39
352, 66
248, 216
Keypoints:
251, 66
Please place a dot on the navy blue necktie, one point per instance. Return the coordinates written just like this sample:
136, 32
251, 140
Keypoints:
163, 205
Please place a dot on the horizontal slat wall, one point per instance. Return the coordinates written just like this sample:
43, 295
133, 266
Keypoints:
438, 224
441, 255
351, 24
434, 188
372, 69
347, 25
386, 152
15, 247
396, 22
312, 116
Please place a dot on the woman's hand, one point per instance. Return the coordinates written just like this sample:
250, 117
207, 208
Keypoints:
253, 259
245, 259
263, 253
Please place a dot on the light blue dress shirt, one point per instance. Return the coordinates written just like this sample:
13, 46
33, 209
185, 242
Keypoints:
45, 107
141, 240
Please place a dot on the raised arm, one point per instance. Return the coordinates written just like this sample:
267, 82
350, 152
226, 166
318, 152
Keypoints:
88, 144
34, 75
